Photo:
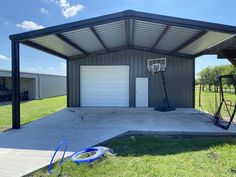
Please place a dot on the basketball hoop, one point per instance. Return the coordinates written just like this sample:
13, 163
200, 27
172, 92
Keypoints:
156, 65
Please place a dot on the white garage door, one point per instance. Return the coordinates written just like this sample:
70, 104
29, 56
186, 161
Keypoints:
104, 86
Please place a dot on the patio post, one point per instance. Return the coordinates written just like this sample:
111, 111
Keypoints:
67, 83
15, 84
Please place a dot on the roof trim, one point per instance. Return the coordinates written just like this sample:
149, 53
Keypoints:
187, 23
68, 26
181, 22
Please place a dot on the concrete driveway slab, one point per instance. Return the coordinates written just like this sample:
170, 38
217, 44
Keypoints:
31, 147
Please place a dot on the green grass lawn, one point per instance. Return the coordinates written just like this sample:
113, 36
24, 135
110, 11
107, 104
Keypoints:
144, 155
208, 101
31, 110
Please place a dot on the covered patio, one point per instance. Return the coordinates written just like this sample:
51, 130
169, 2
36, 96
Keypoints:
127, 30
139, 32
34, 144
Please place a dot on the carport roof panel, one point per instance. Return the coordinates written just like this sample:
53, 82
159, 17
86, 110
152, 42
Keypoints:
150, 30
54, 43
174, 36
84, 38
112, 34
209, 39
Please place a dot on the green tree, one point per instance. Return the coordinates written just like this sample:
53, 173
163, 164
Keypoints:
205, 77
208, 76
229, 69
215, 73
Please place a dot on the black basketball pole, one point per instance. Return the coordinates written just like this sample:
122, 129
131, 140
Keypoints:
165, 105
164, 86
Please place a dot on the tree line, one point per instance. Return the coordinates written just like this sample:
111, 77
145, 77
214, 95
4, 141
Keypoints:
208, 77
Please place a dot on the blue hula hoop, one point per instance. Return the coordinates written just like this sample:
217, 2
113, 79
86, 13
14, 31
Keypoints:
99, 153
62, 158
75, 157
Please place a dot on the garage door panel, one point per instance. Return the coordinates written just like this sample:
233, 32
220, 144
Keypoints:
104, 85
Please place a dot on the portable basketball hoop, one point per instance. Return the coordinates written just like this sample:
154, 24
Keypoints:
158, 65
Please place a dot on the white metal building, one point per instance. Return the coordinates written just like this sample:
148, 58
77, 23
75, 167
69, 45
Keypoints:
39, 86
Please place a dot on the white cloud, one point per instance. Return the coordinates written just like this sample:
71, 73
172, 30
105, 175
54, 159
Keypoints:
4, 58
70, 10
44, 11
29, 25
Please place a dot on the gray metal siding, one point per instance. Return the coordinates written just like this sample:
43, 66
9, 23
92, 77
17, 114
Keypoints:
50, 86
26, 84
179, 76
40, 86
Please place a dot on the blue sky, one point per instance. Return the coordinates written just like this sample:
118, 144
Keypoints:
20, 16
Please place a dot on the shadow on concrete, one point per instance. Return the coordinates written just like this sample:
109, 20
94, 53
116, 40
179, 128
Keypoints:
140, 145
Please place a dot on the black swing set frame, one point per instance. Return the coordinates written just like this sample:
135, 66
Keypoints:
218, 121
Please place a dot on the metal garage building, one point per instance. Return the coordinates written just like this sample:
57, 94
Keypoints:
112, 79
39, 86
107, 57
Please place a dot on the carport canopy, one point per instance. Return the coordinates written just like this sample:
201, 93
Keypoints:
125, 30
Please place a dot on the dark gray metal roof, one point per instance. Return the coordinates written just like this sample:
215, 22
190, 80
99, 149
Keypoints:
129, 29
